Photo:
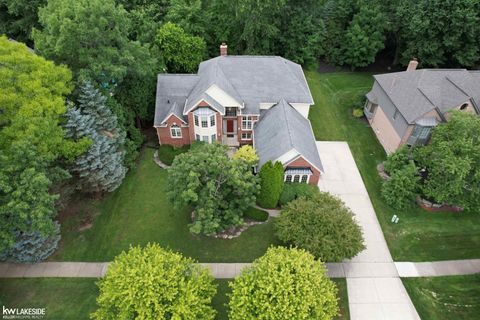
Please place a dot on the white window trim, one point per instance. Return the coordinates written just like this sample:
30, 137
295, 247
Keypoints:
178, 130
213, 120
247, 119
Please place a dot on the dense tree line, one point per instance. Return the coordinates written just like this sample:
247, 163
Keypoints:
343, 32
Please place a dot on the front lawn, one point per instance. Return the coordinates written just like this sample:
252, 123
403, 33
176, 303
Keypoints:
454, 297
139, 212
419, 236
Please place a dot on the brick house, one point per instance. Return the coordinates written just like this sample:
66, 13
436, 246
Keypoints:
236, 100
403, 107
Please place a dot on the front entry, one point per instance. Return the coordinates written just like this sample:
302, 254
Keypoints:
230, 130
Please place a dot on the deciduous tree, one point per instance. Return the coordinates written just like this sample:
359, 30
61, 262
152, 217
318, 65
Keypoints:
217, 188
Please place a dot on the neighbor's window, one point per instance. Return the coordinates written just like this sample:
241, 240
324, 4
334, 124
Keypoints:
175, 131
212, 121
246, 123
288, 178
204, 122
246, 136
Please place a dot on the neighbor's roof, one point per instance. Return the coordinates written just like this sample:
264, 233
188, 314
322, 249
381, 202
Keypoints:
281, 129
417, 92
249, 80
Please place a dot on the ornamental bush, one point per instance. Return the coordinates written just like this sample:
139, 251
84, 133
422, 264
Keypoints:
322, 225
292, 191
283, 284
402, 187
154, 283
248, 154
271, 184
397, 160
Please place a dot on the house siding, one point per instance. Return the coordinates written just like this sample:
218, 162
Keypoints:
164, 135
300, 162
384, 131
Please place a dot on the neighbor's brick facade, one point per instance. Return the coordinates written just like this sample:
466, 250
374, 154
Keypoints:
302, 163
164, 136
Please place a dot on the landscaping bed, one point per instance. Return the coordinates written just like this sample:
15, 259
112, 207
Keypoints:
166, 153
419, 235
139, 212
453, 297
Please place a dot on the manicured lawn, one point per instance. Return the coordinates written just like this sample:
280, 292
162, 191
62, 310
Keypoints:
419, 236
454, 297
63, 298
167, 153
221, 299
139, 212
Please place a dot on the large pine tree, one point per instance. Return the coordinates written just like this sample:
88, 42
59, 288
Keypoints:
101, 168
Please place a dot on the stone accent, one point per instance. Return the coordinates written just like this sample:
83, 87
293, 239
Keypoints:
159, 163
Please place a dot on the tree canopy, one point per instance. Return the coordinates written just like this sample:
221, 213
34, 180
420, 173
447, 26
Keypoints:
154, 283
283, 284
217, 188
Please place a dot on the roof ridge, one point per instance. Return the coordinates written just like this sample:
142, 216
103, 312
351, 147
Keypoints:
284, 103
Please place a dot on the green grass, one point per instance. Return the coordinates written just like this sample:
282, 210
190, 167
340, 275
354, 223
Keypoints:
74, 298
445, 298
419, 236
139, 212
167, 153
221, 299
63, 298
256, 214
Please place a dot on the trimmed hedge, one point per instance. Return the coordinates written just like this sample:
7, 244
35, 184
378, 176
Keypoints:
256, 214
271, 184
292, 191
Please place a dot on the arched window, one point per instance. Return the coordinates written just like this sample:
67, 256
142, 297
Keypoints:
464, 106
175, 131
288, 178
304, 178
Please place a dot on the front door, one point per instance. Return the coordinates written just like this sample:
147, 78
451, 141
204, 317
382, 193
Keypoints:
230, 131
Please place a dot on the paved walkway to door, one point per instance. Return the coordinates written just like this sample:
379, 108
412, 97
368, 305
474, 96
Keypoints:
375, 291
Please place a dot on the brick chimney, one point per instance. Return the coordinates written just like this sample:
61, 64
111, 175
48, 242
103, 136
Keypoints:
412, 65
223, 49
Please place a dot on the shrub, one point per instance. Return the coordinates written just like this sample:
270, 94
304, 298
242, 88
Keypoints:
271, 184
248, 154
32, 247
357, 112
292, 191
402, 187
397, 160
256, 214
154, 283
283, 284
322, 225
167, 153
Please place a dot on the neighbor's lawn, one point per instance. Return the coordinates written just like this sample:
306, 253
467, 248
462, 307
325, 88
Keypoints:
419, 236
221, 299
63, 298
139, 212
454, 297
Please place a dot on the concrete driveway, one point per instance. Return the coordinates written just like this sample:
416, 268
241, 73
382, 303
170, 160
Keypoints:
375, 290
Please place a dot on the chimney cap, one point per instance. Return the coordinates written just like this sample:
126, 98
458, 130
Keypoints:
223, 49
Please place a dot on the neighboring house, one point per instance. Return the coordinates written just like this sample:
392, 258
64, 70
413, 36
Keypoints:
403, 107
237, 100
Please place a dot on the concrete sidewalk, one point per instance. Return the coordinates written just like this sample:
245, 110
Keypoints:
438, 268
375, 290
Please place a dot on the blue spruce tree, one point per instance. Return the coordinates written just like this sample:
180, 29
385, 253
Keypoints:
101, 168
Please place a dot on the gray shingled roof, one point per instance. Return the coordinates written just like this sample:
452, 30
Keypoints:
415, 93
281, 129
172, 92
250, 80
